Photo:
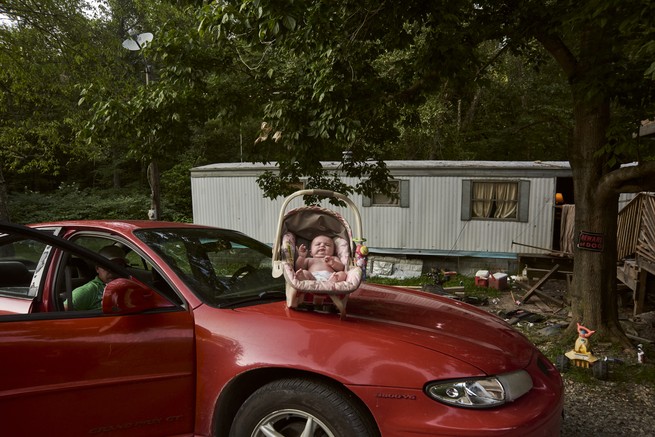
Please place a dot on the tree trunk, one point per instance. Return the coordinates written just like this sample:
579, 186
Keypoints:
593, 298
4, 200
154, 181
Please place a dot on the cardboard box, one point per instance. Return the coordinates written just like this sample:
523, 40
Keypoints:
498, 281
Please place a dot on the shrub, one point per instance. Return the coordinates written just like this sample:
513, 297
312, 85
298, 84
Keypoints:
70, 203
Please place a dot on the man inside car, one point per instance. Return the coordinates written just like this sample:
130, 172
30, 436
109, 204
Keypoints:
89, 295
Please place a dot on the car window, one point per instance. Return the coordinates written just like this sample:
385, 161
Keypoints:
137, 266
39, 271
217, 265
19, 259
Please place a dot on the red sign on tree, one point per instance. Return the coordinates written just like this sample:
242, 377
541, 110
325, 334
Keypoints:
591, 241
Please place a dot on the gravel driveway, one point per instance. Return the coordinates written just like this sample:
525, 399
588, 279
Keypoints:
605, 408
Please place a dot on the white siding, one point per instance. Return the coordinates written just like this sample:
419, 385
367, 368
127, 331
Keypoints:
232, 199
433, 220
235, 203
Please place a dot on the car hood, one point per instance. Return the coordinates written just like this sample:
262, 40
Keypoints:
443, 325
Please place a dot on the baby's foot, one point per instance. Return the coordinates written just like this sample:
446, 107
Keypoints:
338, 277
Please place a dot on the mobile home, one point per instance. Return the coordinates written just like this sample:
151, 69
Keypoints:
490, 210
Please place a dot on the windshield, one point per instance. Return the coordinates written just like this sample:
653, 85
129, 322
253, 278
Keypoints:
220, 266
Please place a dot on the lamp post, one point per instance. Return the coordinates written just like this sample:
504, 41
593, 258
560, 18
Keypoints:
137, 43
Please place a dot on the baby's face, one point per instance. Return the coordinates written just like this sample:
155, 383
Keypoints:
322, 246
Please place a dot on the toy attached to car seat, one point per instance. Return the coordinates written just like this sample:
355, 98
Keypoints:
361, 254
299, 227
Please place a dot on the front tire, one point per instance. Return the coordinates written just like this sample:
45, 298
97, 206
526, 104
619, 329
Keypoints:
300, 408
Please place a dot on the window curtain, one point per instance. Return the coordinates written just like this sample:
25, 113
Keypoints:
506, 196
483, 193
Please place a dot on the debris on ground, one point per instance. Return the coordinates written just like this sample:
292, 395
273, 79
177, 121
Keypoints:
521, 315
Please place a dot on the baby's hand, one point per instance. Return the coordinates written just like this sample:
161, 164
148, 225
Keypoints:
302, 250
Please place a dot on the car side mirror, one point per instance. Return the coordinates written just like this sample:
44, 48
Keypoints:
127, 296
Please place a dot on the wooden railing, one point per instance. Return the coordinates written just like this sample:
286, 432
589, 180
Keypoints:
646, 241
636, 229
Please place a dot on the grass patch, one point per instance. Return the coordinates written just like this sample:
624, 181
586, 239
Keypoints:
407, 282
470, 289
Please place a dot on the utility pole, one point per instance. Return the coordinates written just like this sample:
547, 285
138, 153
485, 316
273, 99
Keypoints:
137, 43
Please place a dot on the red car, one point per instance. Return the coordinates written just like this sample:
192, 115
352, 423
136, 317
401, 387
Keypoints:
194, 338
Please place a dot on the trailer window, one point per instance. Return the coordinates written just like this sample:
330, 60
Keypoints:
398, 198
495, 200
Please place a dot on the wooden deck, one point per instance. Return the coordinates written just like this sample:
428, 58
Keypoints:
636, 247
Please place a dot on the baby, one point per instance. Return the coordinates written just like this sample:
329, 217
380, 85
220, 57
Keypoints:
319, 264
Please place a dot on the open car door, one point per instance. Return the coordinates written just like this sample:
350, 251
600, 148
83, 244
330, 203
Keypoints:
125, 370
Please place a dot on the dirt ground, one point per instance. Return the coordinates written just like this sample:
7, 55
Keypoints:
640, 328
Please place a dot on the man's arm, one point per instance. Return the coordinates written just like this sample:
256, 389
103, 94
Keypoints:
85, 296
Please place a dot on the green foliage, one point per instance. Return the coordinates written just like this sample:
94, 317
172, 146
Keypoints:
411, 80
68, 202
321, 96
379, 83
176, 188
48, 49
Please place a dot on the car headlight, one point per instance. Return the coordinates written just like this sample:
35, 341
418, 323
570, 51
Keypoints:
481, 392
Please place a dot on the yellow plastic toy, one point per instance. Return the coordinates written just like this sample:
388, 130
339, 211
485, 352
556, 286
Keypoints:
582, 356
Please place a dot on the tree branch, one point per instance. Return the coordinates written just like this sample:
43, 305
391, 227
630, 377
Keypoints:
410, 93
559, 51
630, 179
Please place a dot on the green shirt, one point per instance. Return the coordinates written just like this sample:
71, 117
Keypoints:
89, 295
